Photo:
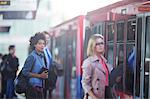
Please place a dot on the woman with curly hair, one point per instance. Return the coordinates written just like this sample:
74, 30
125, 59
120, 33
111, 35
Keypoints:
33, 67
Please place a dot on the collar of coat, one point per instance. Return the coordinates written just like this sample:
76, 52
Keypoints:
95, 58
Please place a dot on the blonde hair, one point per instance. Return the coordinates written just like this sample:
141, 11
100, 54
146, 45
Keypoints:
92, 44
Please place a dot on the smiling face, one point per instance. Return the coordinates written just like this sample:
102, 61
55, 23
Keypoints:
99, 46
39, 46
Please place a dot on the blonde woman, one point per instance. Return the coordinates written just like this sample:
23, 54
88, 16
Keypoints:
95, 69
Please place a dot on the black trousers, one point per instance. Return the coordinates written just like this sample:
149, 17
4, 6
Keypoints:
108, 94
49, 93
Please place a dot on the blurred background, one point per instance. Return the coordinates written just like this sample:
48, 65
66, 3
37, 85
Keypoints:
20, 19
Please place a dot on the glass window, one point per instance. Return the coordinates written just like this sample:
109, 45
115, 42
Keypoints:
88, 33
94, 30
110, 53
120, 54
147, 60
129, 50
130, 64
66, 54
100, 29
120, 31
110, 32
148, 37
130, 55
131, 30
61, 47
120, 62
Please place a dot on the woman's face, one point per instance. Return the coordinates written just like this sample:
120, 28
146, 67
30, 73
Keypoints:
40, 45
99, 46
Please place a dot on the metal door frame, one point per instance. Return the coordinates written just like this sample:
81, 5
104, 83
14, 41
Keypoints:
148, 15
143, 45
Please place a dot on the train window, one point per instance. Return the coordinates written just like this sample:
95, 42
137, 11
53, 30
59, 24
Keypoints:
110, 32
131, 30
60, 44
97, 28
129, 50
88, 33
120, 31
110, 53
120, 54
120, 61
130, 63
94, 30
100, 29
147, 61
148, 37
71, 51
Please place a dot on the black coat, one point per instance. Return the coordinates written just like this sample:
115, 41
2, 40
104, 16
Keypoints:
13, 63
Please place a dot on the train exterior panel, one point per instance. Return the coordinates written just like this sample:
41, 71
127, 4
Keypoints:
125, 26
68, 41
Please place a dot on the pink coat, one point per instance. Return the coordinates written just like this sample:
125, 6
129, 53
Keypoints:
93, 77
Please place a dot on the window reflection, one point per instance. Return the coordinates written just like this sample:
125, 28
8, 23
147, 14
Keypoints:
147, 60
110, 54
120, 54
120, 31
111, 32
148, 38
131, 30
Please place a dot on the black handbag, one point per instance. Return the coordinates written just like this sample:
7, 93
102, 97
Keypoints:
21, 83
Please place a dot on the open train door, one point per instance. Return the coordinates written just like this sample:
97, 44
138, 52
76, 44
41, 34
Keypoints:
142, 70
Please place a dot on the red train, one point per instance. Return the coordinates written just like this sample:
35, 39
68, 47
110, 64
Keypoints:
126, 28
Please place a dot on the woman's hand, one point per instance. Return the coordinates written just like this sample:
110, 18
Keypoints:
92, 94
44, 74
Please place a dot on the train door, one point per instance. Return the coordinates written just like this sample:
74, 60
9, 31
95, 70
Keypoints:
70, 68
59, 53
65, 53
143, 55
130, 50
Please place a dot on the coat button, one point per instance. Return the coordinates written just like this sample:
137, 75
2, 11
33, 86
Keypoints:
98, 79
97, 88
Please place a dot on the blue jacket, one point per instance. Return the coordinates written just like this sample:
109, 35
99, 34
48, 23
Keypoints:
34, 64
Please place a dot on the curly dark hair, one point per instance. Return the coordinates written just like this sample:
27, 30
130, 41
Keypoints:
34, 39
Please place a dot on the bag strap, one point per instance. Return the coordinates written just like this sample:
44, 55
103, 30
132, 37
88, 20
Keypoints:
45, 62
31, 67
33, 63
